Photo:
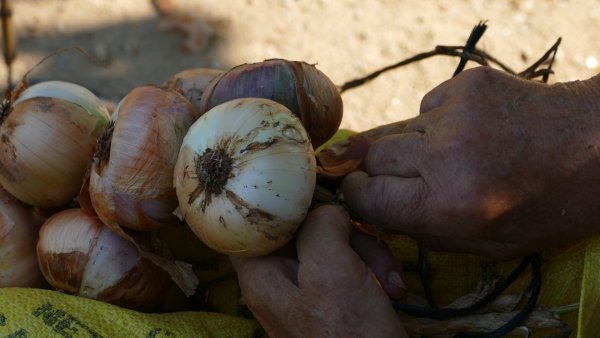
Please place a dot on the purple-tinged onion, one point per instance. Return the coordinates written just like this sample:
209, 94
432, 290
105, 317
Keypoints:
299, 86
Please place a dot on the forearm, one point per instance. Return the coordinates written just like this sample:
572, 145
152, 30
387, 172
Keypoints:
558, 127
578, 136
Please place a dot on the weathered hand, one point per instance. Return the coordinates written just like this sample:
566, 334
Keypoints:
327, 290
494, 165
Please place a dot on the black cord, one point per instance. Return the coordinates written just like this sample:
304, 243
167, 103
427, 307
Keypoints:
534, 287
476, 34
425, 277
474, 37
447, 313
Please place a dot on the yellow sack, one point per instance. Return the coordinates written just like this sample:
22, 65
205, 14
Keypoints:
45, 313
569, 277
589, 310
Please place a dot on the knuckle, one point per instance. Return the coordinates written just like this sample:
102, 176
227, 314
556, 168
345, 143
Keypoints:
378, 153
477, 75
392, 205
461, 212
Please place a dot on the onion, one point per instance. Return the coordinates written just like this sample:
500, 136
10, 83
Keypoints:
245, 176
18, 233
79, 255
299, 86
131, 181
192, 82
47, 139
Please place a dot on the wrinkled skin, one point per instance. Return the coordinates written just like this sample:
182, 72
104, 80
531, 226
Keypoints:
327, 289
493, 165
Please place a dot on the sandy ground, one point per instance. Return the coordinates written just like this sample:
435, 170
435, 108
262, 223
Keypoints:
345, 38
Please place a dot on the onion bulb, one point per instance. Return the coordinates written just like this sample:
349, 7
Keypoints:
245, 176
299, 86
131, 181
47, 139
192, 82
18, 233
79, 255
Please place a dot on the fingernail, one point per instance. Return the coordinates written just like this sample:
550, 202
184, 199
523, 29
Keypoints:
395, 279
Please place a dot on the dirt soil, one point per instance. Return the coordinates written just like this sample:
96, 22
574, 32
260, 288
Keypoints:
135, 45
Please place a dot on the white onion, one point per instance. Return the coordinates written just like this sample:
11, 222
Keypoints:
47, 139
245, 176
18, 233
80, 255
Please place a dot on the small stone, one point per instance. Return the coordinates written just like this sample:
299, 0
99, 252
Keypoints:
591, 62
102, 53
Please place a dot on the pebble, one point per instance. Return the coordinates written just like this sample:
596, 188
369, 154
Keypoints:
102, 53
591, 62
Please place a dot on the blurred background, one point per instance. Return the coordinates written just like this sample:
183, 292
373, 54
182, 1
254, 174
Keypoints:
135, 42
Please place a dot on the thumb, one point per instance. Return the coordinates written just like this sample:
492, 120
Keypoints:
396, 204
398, 155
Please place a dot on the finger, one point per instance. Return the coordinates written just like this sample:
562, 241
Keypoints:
397, 155
326, 230
393, 203
265, 284
268, 292
422, 123
378, 256
323, 246
436, 97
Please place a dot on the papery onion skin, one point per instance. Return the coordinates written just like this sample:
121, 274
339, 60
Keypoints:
47, 139
191, 83
18, 233
131, 181
299, 86
245, 176
79, 255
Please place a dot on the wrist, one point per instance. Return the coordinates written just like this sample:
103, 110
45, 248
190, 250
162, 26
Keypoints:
584, 153
562, 122
595, 82
579, 96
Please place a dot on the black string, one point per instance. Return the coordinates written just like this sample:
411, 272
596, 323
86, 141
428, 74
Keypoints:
476, 34
474, 37
548, 57
475, 55
425, 277
447, 313
534, 287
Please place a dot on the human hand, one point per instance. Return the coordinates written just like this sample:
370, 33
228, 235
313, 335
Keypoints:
327, 290
493, 165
